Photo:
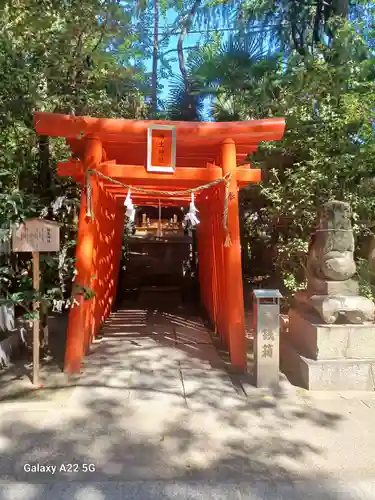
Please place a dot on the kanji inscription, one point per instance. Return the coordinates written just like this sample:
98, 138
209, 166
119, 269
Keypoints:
161, 155
267, 351
268, 335
36, 235
161, 150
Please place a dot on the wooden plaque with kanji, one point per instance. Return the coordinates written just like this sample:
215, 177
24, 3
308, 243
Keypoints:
161, 147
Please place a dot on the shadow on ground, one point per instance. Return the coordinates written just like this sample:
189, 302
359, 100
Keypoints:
155, 403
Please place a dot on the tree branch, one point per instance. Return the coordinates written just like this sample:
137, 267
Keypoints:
104, 26
299, 48
163, 54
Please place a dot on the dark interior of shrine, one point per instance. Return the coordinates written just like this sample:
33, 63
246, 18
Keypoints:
159, 258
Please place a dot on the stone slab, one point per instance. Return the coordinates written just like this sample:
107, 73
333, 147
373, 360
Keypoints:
182, 335
326, 375
316, 286
320, 341
198, 354
188, 335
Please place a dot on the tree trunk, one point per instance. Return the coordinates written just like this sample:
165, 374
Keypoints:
155, 57
44, 176
341, 7
180, 49
317, 21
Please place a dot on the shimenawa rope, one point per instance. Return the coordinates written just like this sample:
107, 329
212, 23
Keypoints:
89, 195
225, 179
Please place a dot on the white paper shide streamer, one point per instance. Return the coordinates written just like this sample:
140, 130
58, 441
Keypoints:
130, 210
191, 220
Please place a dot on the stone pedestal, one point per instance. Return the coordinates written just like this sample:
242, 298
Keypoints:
320, 356
354, 308
330, 342
317, 286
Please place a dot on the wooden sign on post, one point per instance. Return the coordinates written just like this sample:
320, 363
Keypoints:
36, 235
161, 149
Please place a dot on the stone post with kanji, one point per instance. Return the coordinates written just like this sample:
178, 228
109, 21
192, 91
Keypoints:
267, 336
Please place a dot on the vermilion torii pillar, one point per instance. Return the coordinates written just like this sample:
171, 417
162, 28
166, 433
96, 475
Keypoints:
80, 319
235, 320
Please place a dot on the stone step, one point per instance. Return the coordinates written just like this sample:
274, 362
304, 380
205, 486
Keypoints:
327, 374
319, 341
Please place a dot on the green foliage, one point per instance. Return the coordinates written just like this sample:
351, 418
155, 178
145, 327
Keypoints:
327, 96
302, 25
219, 70
328, 151
67, 57
232, 71
365, 279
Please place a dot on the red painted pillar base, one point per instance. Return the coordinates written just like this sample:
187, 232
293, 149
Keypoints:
75, 350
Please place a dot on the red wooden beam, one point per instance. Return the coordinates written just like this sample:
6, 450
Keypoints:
135, 174
145, 202
139, 149
115, 189
247, 175
139, 199
118, 130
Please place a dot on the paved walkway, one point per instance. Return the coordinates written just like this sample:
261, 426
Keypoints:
156, 415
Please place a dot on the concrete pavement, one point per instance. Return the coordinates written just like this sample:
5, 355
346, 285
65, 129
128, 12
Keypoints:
156, 415
159, 490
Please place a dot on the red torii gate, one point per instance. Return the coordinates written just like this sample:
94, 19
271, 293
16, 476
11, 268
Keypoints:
117, 150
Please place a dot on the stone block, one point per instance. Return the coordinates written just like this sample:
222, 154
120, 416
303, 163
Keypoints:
328, 374
316, 286
316, 340
354, 309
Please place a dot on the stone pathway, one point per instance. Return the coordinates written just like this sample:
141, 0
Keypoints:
156, 415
